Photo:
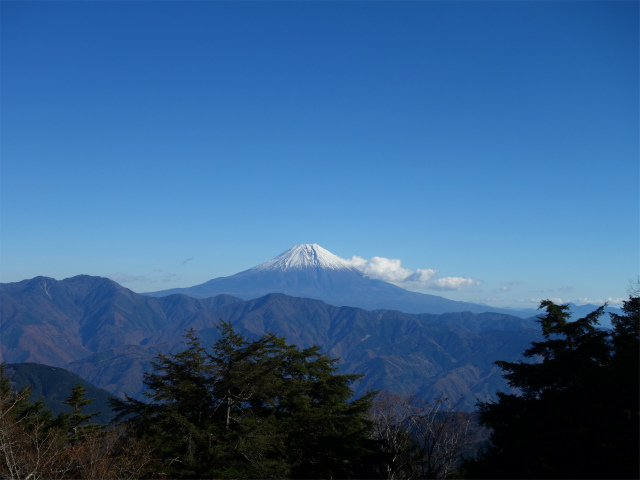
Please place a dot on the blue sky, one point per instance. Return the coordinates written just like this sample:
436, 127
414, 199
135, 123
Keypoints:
163, 144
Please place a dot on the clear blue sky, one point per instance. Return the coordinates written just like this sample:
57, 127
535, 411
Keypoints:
163, 144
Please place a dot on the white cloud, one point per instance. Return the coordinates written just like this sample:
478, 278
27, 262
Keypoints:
358, 262
507, 287
170, 277
380, 268
161, 276
536, 301
557, 300
613, 302
453, 283
391, 270
616, 300
566, 289
127, 278
422, 275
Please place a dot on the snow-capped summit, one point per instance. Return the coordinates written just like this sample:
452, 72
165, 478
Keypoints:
304, 256
310, 271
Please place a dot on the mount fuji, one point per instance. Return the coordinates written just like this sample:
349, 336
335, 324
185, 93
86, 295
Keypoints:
310, 271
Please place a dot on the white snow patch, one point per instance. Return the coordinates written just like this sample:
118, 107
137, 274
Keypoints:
46, 289
305, 256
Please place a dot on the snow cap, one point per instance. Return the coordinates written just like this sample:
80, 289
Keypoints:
303, 256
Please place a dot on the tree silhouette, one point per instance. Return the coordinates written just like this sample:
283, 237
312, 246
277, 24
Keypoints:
575, 413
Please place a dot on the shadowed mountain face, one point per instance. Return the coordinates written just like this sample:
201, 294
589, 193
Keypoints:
54, 385
310, 271
108, 335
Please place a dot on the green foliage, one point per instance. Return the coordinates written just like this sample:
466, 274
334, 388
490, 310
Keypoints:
53, 384
576, 411
252, 409
77, 423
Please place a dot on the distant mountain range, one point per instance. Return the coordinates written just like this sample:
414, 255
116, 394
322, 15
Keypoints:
109, 335
310, 271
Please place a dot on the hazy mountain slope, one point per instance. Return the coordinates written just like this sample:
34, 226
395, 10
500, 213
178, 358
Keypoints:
310, 271
56, 322
115, 334
39, 322
54, 384
119, 370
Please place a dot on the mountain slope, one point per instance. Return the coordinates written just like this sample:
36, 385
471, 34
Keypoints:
422, 354
56, 322
109, 335
310, 271
54, 384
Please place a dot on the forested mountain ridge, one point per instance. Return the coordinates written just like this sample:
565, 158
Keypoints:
262, 408
108, 335
49, 321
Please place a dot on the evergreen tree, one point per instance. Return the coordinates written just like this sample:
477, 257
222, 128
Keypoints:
76, 422
327, 434
250, 409
624, 384
177, 418
576, 408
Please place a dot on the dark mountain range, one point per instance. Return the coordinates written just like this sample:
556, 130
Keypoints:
54, 384
310, 271
108, 335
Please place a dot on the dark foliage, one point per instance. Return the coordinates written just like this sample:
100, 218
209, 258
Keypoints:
35, 444
576, 414
252, 409
53, 385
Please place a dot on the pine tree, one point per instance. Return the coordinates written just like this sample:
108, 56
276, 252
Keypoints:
177, 418
624, 385
327, 433
252, 408
576, 407
76, 422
